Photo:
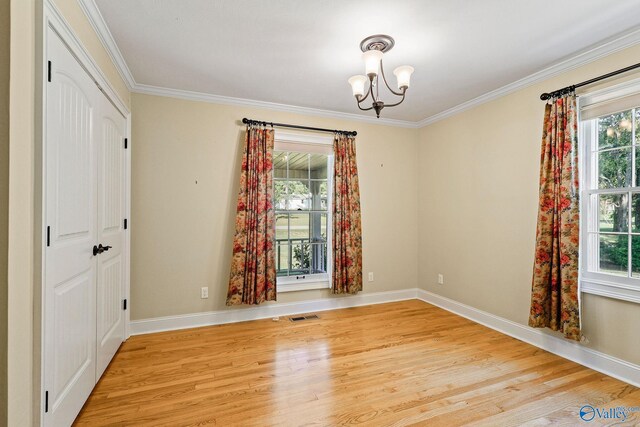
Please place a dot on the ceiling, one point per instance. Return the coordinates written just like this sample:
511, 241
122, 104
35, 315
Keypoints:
301, 53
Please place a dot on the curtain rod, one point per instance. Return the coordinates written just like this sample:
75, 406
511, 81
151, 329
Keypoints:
284, 125
571, 88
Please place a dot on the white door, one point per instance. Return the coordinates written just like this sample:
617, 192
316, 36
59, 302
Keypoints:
111, 213
85, 189
70, 212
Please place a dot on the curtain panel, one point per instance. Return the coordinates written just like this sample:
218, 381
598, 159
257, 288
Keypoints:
253, 270
554, 294
347, 230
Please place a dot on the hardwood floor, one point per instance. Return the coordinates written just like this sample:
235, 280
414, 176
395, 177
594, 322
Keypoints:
396, 364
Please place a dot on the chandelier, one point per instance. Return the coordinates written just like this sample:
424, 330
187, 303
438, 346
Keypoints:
373, 48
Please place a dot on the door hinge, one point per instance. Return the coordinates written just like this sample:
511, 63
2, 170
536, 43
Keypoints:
48, 236
126, 143
49, 71
46, 401
124, 304
126, 223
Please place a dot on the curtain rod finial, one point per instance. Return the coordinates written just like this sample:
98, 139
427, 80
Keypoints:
545, 96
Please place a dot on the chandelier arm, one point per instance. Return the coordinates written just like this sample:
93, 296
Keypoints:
387, 84
399, 102
365, 109
369, 91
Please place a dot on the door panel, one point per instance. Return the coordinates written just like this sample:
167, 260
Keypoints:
111, 192
72, 319
70, 212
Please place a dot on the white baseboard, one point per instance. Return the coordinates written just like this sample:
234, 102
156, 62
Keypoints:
241, 314
596, 360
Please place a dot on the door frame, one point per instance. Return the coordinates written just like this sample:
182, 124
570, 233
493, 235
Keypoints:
52, 19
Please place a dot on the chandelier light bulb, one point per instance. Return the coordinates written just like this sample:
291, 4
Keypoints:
372, 60
357, 85
403, 75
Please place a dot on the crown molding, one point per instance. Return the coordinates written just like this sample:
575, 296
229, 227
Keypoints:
91, 10
612, 45
227, 100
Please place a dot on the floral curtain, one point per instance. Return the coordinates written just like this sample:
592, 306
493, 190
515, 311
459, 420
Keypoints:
253, 270
554, 294
347, 238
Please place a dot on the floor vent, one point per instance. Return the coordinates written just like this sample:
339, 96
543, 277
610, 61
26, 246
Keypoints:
301, 318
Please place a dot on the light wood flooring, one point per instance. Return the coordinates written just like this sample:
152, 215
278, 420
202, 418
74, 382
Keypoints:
404, 363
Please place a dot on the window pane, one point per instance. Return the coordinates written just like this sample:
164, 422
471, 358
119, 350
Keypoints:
614, 210
614, 168
301, 258
637, 151
615, 130
299, 195
318, 166
282, 259
324, 195
318, 258
635, 256
635, 213
279, 164
323, 226
299, 166
282, 227
318, 195
299, 226
280, 195
637, 110
318, 234
614, 251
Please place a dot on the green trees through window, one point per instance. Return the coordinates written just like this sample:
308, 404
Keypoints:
616, 160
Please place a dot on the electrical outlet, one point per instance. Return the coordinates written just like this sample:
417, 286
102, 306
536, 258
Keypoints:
371, 276
204, 292
440, 279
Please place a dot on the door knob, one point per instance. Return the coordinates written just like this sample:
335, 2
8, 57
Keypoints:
97, 250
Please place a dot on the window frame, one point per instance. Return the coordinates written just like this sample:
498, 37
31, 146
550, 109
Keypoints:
593, 282
311, 281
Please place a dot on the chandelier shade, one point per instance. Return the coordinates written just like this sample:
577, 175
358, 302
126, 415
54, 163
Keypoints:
372, 60
357, 85
403, 75
373, 48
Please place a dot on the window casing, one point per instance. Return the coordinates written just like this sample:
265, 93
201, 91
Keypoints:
303, 187
610, 196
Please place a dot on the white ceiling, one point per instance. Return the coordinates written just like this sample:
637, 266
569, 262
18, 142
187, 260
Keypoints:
301, 53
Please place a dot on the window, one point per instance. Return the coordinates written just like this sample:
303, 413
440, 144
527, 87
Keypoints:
302, 194
610, 135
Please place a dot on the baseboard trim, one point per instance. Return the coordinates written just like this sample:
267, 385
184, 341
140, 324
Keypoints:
241, 314
596, 360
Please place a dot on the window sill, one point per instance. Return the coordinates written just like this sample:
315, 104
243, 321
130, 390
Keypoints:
304, 286
610, 289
